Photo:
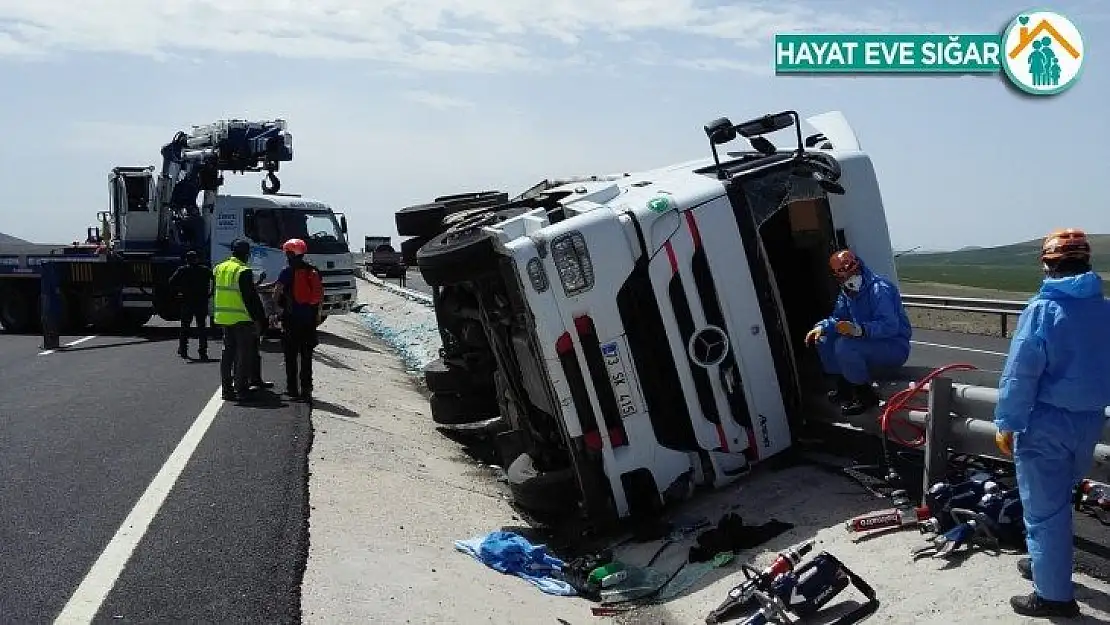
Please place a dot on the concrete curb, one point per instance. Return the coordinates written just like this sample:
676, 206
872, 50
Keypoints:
408, 294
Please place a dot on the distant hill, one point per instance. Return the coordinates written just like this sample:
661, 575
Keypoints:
1013, 267
7, 239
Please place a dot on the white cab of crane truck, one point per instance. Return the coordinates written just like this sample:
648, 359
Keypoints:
646, 330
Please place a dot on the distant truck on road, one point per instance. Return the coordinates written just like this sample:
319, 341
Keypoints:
382, 260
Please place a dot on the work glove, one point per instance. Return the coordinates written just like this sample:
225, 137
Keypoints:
1005, 442
813, 335
847, 328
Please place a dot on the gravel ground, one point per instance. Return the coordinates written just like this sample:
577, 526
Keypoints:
389, 495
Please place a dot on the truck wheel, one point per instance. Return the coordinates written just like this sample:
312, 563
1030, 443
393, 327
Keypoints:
486, 199
442, 377
546, 495
421, 220
456, 409
16, 311
409, 247
456, 256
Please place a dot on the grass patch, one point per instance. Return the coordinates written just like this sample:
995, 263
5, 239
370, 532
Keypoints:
999, 278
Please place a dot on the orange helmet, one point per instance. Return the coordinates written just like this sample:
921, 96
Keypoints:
297, 246
1066, 244
843, 264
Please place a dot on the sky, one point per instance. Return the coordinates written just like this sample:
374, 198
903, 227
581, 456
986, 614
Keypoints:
391, 103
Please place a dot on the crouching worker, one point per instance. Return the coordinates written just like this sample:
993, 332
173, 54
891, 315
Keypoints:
298, 294
1050, 413
867, 330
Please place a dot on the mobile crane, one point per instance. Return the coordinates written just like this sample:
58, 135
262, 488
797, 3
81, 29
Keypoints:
119, 278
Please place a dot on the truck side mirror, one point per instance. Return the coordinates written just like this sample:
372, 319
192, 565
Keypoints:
261, 278
343, 223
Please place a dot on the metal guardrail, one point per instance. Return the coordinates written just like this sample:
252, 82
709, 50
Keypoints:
1003, 308
960, 418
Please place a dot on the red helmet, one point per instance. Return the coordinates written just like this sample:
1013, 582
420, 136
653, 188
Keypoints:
844, 264
297, 246
1070, 243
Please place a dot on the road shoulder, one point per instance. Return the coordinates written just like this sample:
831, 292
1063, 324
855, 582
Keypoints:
390, 495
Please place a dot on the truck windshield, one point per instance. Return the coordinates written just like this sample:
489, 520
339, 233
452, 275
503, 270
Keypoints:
319, 229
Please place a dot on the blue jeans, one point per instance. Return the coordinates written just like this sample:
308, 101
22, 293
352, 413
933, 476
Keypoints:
1051, 456
856, 358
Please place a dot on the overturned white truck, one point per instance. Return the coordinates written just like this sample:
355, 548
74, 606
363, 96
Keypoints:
640, 335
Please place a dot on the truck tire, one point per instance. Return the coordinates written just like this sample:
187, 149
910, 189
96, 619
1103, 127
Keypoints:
459, 409
456, 256
421, 220
457, 197
480, 201
17, 311
442, 377
409, 248
545, 495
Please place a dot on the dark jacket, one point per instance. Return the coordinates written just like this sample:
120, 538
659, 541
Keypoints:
251, 298
194, 283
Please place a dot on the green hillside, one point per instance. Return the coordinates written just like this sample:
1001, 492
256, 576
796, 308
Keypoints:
1005, 268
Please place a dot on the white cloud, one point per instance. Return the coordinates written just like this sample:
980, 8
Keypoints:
453, 35
438, 101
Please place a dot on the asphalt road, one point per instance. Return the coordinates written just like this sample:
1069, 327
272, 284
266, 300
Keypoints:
86, 429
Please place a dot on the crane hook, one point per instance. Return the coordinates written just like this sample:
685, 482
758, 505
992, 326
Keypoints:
270, 184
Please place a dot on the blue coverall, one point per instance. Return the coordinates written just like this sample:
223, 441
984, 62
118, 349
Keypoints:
877, 308
1052, 396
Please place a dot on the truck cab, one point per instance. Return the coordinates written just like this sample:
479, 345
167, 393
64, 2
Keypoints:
644, 332
267, 221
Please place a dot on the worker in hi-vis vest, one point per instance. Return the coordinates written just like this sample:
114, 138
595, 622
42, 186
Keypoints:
238, 310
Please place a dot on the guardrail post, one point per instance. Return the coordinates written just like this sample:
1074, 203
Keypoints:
1005, 323
938, 426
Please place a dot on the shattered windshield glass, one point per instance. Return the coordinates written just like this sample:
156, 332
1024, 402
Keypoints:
772, 191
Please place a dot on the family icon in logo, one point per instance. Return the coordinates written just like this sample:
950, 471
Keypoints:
1042, 52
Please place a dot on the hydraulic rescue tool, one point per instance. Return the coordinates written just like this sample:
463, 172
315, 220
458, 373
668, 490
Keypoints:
975, 512
783, 593
903, 514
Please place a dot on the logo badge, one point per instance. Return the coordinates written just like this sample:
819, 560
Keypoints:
708, 347
1042, 52
660, 204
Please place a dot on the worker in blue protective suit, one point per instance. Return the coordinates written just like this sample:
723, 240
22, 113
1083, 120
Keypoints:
1051, 401
868, 329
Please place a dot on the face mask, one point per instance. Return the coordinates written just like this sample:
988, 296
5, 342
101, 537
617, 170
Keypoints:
854, 283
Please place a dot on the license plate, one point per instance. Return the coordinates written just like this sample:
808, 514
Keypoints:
618, 377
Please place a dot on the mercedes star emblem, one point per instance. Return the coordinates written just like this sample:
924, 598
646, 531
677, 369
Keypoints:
708, 347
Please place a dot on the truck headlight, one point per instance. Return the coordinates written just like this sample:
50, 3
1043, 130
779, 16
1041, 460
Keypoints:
572, 260
537, 275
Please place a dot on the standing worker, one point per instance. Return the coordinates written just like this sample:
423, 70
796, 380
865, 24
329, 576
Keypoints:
238, 309
298, 294
868, 329
193, 282
1051, 401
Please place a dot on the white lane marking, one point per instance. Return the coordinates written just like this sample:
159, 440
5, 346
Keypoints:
69, 344
101, 578
962, 349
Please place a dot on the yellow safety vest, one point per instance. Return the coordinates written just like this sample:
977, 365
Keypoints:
228, 307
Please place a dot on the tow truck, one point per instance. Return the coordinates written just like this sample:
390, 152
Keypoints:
118, 279
640, 335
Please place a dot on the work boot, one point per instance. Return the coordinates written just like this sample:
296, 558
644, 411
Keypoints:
1032, 605
229, 394
261, 384
861, 399
1025, 567
203, 355
841, 391
183, 352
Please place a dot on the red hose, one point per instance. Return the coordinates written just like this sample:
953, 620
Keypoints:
898, 402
